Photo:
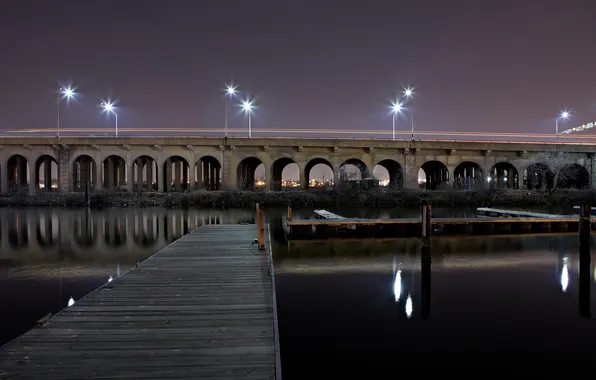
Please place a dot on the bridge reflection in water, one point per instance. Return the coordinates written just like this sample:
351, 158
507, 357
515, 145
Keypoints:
45, 233
50, 258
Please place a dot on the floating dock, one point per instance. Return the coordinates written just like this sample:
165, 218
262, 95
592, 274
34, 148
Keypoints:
203, 307
500, 222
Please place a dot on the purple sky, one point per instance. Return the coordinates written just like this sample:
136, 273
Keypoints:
509, 65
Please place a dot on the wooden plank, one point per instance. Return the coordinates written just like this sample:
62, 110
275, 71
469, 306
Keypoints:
203, 307
518, 213
324, 214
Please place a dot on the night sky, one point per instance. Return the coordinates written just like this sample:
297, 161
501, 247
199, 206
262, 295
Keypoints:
509, 65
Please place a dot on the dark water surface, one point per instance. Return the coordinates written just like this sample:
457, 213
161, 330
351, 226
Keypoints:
366, 306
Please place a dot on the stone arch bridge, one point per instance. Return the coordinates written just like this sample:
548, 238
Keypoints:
180, 164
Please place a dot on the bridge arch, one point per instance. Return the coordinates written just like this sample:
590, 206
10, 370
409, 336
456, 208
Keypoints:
539, 176
362, 170
17, 173
245, 173
467, 176
175, 174
144, 175
434, 174
395, 172
277, 172
319, 163
573, 176
114, 172
46, 170
208, 173
503, 175
84, 170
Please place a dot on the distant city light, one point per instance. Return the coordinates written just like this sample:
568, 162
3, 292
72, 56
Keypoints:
580, 128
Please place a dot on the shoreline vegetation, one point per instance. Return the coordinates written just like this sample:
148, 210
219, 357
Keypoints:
372, 198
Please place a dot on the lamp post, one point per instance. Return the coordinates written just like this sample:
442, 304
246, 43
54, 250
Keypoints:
408, 94
563, 115
109, 108
230, 92
63, 93
247, 108
396, 108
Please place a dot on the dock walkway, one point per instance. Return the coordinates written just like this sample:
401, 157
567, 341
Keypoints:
203, 307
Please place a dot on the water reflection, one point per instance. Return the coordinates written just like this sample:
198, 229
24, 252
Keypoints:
469, 297
50, 258
565, 275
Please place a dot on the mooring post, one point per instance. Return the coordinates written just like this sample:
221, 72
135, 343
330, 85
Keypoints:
585, 281
425, 211
585, 224
260, 228
289, 213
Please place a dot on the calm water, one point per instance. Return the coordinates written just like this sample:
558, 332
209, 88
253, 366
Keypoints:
344, 306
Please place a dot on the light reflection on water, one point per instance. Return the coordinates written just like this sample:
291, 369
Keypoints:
487, 299
339, 301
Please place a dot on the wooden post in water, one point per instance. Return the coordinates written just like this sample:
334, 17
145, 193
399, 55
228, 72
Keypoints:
289, 213
585, 280
260, 228
585, 224
425, 211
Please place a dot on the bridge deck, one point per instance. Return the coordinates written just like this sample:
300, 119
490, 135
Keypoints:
202, 307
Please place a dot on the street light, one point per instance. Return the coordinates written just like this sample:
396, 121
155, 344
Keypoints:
396, 108
408, 93
230, 92
63, 93
247, 108
563, 115
109, 108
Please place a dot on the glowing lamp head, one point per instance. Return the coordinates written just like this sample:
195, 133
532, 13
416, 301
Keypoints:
231, 90
396, 107
409, 92
247, 106
67, 93
565, 114
108, 107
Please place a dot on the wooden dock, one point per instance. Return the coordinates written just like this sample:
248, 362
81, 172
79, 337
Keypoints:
203, 307
503, 222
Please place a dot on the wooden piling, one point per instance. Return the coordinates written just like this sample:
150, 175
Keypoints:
585, 224
289, 213
585, 280
260, 228
426, 213
425, 283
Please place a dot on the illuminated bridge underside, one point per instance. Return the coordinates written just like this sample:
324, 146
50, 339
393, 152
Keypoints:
184, 164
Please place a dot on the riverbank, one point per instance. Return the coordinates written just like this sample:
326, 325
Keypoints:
305, 199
